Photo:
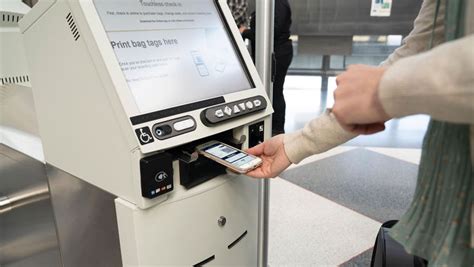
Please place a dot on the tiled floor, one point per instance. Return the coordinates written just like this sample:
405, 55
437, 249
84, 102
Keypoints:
375, 185
307, 229
327, 210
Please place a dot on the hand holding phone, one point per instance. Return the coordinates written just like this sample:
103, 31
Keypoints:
273, 154
233, 158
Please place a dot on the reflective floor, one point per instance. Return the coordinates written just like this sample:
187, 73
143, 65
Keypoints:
327, 210
27, 229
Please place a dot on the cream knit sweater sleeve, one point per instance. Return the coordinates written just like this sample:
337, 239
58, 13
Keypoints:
433, 83
439, 83
420, 37
318, 135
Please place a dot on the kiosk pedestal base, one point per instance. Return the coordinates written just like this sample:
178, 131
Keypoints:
217, 226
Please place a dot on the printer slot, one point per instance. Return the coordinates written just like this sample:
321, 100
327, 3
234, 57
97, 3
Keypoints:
194, 169
199, 171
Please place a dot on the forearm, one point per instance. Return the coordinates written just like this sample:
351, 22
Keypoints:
318, 135
439, 83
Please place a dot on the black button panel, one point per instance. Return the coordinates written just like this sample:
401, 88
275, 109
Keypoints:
175, 127
153, 116
156, 175
224, 112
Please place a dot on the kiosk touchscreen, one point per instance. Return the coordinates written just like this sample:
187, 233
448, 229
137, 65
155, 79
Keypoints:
176, 56
125, 90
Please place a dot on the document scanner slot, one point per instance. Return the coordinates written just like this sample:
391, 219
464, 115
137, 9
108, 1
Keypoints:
195, 169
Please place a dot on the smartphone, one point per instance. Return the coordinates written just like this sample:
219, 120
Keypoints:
234, 159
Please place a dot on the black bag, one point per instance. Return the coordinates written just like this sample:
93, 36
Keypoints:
389, 253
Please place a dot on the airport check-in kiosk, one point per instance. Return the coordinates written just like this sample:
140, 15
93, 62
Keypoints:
125, 91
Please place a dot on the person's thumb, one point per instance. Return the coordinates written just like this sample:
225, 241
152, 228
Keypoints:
256, 150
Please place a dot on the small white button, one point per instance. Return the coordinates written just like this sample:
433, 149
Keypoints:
257, 102
219, 113
249, 105
228, 110
168, 186
242, 106
183, 125
236, 109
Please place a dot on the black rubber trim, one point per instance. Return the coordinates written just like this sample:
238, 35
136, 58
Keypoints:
237, 240
170, 124
176, 110
206, 261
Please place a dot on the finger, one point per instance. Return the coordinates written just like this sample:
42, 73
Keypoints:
376, 127
256, 150
367, 129
257, 173
335, 94
349, 127
360, 129
345, 126
340, 78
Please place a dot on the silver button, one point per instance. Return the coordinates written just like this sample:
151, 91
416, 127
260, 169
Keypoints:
183, 125
228, 110
249, 105
219, 113
242, 106
222, 221
257, 102
236, 109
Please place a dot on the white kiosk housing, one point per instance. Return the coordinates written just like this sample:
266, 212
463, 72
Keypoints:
16, 101
124, 92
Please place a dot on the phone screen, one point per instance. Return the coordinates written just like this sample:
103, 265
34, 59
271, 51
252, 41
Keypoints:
229, 154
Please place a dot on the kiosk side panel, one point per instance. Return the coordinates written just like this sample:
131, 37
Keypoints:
73, 109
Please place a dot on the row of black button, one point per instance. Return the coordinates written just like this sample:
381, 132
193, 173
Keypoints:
224, 112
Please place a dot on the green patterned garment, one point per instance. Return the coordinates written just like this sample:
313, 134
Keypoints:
437, 226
